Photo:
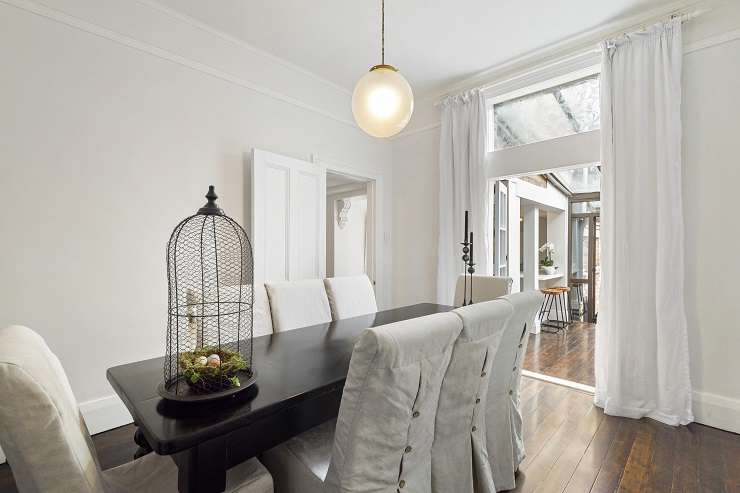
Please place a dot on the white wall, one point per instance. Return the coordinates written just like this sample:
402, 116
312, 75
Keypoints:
348, 242
711, 176
114, 121
415, 213
711, 109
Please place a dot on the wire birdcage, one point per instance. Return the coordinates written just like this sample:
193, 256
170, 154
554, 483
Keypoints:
210, 273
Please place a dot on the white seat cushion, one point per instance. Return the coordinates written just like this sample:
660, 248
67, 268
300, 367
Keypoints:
459, 455
485, 288
261, 315
350, 296
297, 304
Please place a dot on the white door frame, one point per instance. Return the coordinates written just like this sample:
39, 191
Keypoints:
376, 192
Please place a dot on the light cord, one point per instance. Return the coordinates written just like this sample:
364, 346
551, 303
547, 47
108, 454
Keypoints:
382, 32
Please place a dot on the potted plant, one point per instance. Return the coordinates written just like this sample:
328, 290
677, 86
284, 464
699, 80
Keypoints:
547, 264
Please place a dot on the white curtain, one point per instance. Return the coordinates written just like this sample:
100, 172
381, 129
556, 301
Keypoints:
462, 186
642, 360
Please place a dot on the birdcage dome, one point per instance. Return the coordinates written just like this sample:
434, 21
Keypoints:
210, 273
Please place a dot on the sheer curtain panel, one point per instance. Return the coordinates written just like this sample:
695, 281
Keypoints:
462, 186
642, 359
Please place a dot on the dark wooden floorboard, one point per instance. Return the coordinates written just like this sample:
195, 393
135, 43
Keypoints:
568, 355
572, 447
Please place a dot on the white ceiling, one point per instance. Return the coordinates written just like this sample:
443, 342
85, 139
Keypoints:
434, 43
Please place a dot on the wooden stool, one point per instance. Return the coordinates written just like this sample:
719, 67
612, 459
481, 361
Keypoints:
578, 288
556, 296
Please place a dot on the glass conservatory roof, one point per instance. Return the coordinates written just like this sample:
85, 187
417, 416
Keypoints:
581, 180
559, 111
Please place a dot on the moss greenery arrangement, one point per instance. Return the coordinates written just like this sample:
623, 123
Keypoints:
211, 369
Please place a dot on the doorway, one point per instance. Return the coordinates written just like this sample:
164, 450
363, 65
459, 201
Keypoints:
554, 246
585, 262
349, 231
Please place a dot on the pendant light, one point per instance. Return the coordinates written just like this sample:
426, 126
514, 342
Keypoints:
382, 102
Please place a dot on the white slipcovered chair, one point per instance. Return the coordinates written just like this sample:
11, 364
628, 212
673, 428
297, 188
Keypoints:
459, 458
47, 443
485, 288
350, 296
503, 417
296, 304
261, 316
383, 436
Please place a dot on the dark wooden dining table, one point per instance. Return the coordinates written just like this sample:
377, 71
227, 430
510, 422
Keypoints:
300, 378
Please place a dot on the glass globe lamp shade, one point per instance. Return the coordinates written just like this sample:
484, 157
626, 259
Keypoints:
382, 102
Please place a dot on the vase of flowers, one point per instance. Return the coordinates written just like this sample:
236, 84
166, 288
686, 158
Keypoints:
547, 264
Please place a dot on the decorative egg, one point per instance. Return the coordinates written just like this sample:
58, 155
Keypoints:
201, 360
214, 360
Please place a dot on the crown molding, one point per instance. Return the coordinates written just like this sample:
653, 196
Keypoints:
144, 47
566, 48
712, 41
239, 42
414, 131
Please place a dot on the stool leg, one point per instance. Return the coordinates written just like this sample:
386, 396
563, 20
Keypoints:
550, 306
542, 308
560, 314
547, 304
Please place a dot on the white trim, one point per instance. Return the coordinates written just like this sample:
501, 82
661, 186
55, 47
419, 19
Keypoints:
562, 152
97, 30
413, 131
716, 411
542, 79
572, 47
227, 37
559, 381
712, 41
105, 413
101, 414
381, 233
547, 75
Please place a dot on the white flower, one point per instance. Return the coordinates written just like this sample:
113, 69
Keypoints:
547, 248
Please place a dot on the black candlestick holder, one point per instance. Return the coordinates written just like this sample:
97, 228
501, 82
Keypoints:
468, 270
465, 259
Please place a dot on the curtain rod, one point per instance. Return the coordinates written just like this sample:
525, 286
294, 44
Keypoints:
686, 13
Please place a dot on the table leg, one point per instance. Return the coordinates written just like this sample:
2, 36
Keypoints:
144, 447
202, 469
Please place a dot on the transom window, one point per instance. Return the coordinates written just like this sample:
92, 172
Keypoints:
566, 109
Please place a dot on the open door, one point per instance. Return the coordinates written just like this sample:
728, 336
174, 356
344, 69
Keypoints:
288, 218
501, 228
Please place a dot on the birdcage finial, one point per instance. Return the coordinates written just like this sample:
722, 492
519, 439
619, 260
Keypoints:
211, 209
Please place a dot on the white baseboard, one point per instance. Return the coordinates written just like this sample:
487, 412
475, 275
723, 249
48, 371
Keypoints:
102, 414
717, 411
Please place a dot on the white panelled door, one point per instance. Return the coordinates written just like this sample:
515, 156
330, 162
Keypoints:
288, 218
